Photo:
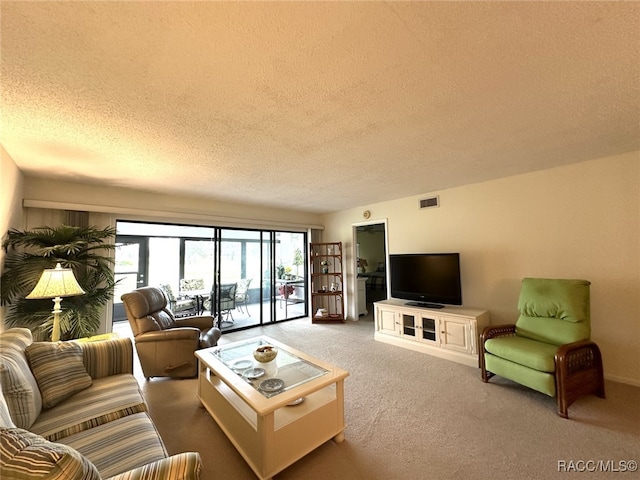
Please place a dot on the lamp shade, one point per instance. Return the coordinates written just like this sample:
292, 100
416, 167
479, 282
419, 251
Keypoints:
56, 282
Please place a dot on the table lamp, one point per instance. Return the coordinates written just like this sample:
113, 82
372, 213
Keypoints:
56, 283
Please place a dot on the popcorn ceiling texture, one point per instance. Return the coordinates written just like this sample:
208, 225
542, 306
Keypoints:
317, 106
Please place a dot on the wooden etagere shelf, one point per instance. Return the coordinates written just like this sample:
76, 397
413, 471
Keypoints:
327, 299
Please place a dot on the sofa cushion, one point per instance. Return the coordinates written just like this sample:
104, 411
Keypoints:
115, 447
5, 415
107, 358
524, 351
182, 466
19, 386
27, 455
107, 399
58, 369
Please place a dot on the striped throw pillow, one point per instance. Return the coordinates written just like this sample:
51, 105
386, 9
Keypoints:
26, 455
58, 369
19, 386
5, 415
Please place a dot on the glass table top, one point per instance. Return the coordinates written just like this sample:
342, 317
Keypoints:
285, 372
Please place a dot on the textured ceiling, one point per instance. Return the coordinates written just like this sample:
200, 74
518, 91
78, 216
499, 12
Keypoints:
315, 106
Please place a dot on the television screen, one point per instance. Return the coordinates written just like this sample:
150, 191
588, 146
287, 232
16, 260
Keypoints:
427, 279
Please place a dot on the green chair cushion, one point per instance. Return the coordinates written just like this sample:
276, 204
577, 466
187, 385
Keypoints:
524, 351
551, 330
555, 298
540, 381
554, 310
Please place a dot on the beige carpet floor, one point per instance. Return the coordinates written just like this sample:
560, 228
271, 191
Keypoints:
414, 416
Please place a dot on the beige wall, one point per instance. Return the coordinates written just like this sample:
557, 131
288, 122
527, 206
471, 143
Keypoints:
577, 221
11, 182
11, 185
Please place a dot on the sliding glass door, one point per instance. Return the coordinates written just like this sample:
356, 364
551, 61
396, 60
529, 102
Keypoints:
238, 278
130, 270
243, 277
289, 252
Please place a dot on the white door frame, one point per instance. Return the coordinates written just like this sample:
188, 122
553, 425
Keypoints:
354, 256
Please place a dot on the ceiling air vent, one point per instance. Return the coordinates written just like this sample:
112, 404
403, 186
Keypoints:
430, 202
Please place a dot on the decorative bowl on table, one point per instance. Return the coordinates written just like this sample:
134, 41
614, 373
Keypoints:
265, 353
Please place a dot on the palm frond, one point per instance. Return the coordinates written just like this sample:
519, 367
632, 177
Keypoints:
83, 249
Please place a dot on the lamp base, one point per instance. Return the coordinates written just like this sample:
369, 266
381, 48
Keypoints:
55, 331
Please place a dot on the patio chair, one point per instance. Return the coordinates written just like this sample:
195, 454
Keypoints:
180, 306
227, 301
242, 295
193, 288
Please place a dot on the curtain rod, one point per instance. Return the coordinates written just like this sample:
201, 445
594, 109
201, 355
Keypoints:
236, 221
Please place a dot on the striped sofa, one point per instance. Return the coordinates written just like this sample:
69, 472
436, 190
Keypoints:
74, 410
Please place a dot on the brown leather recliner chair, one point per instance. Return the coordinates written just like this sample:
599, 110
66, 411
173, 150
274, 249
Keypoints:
165, 344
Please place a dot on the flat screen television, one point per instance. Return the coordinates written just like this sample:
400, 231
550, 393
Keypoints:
427, 279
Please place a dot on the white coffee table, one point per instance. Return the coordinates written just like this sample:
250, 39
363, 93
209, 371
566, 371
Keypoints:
272, 429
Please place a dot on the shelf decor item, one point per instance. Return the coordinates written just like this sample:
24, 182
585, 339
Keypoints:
362, 265
326, 269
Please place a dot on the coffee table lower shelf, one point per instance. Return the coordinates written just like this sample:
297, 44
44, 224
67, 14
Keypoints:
271, 442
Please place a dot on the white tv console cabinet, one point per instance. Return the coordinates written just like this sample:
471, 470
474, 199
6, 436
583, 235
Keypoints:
450, 332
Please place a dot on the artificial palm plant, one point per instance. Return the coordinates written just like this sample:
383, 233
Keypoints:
83, 249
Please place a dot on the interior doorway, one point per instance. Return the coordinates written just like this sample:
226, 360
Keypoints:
371, 264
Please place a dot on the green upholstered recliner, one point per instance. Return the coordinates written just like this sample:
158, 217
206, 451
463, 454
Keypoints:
549, 348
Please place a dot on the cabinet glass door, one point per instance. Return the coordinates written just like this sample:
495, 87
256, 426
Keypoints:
409, 325
429, 329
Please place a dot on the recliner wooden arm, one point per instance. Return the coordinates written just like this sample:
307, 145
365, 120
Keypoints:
578, 372
493, 331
